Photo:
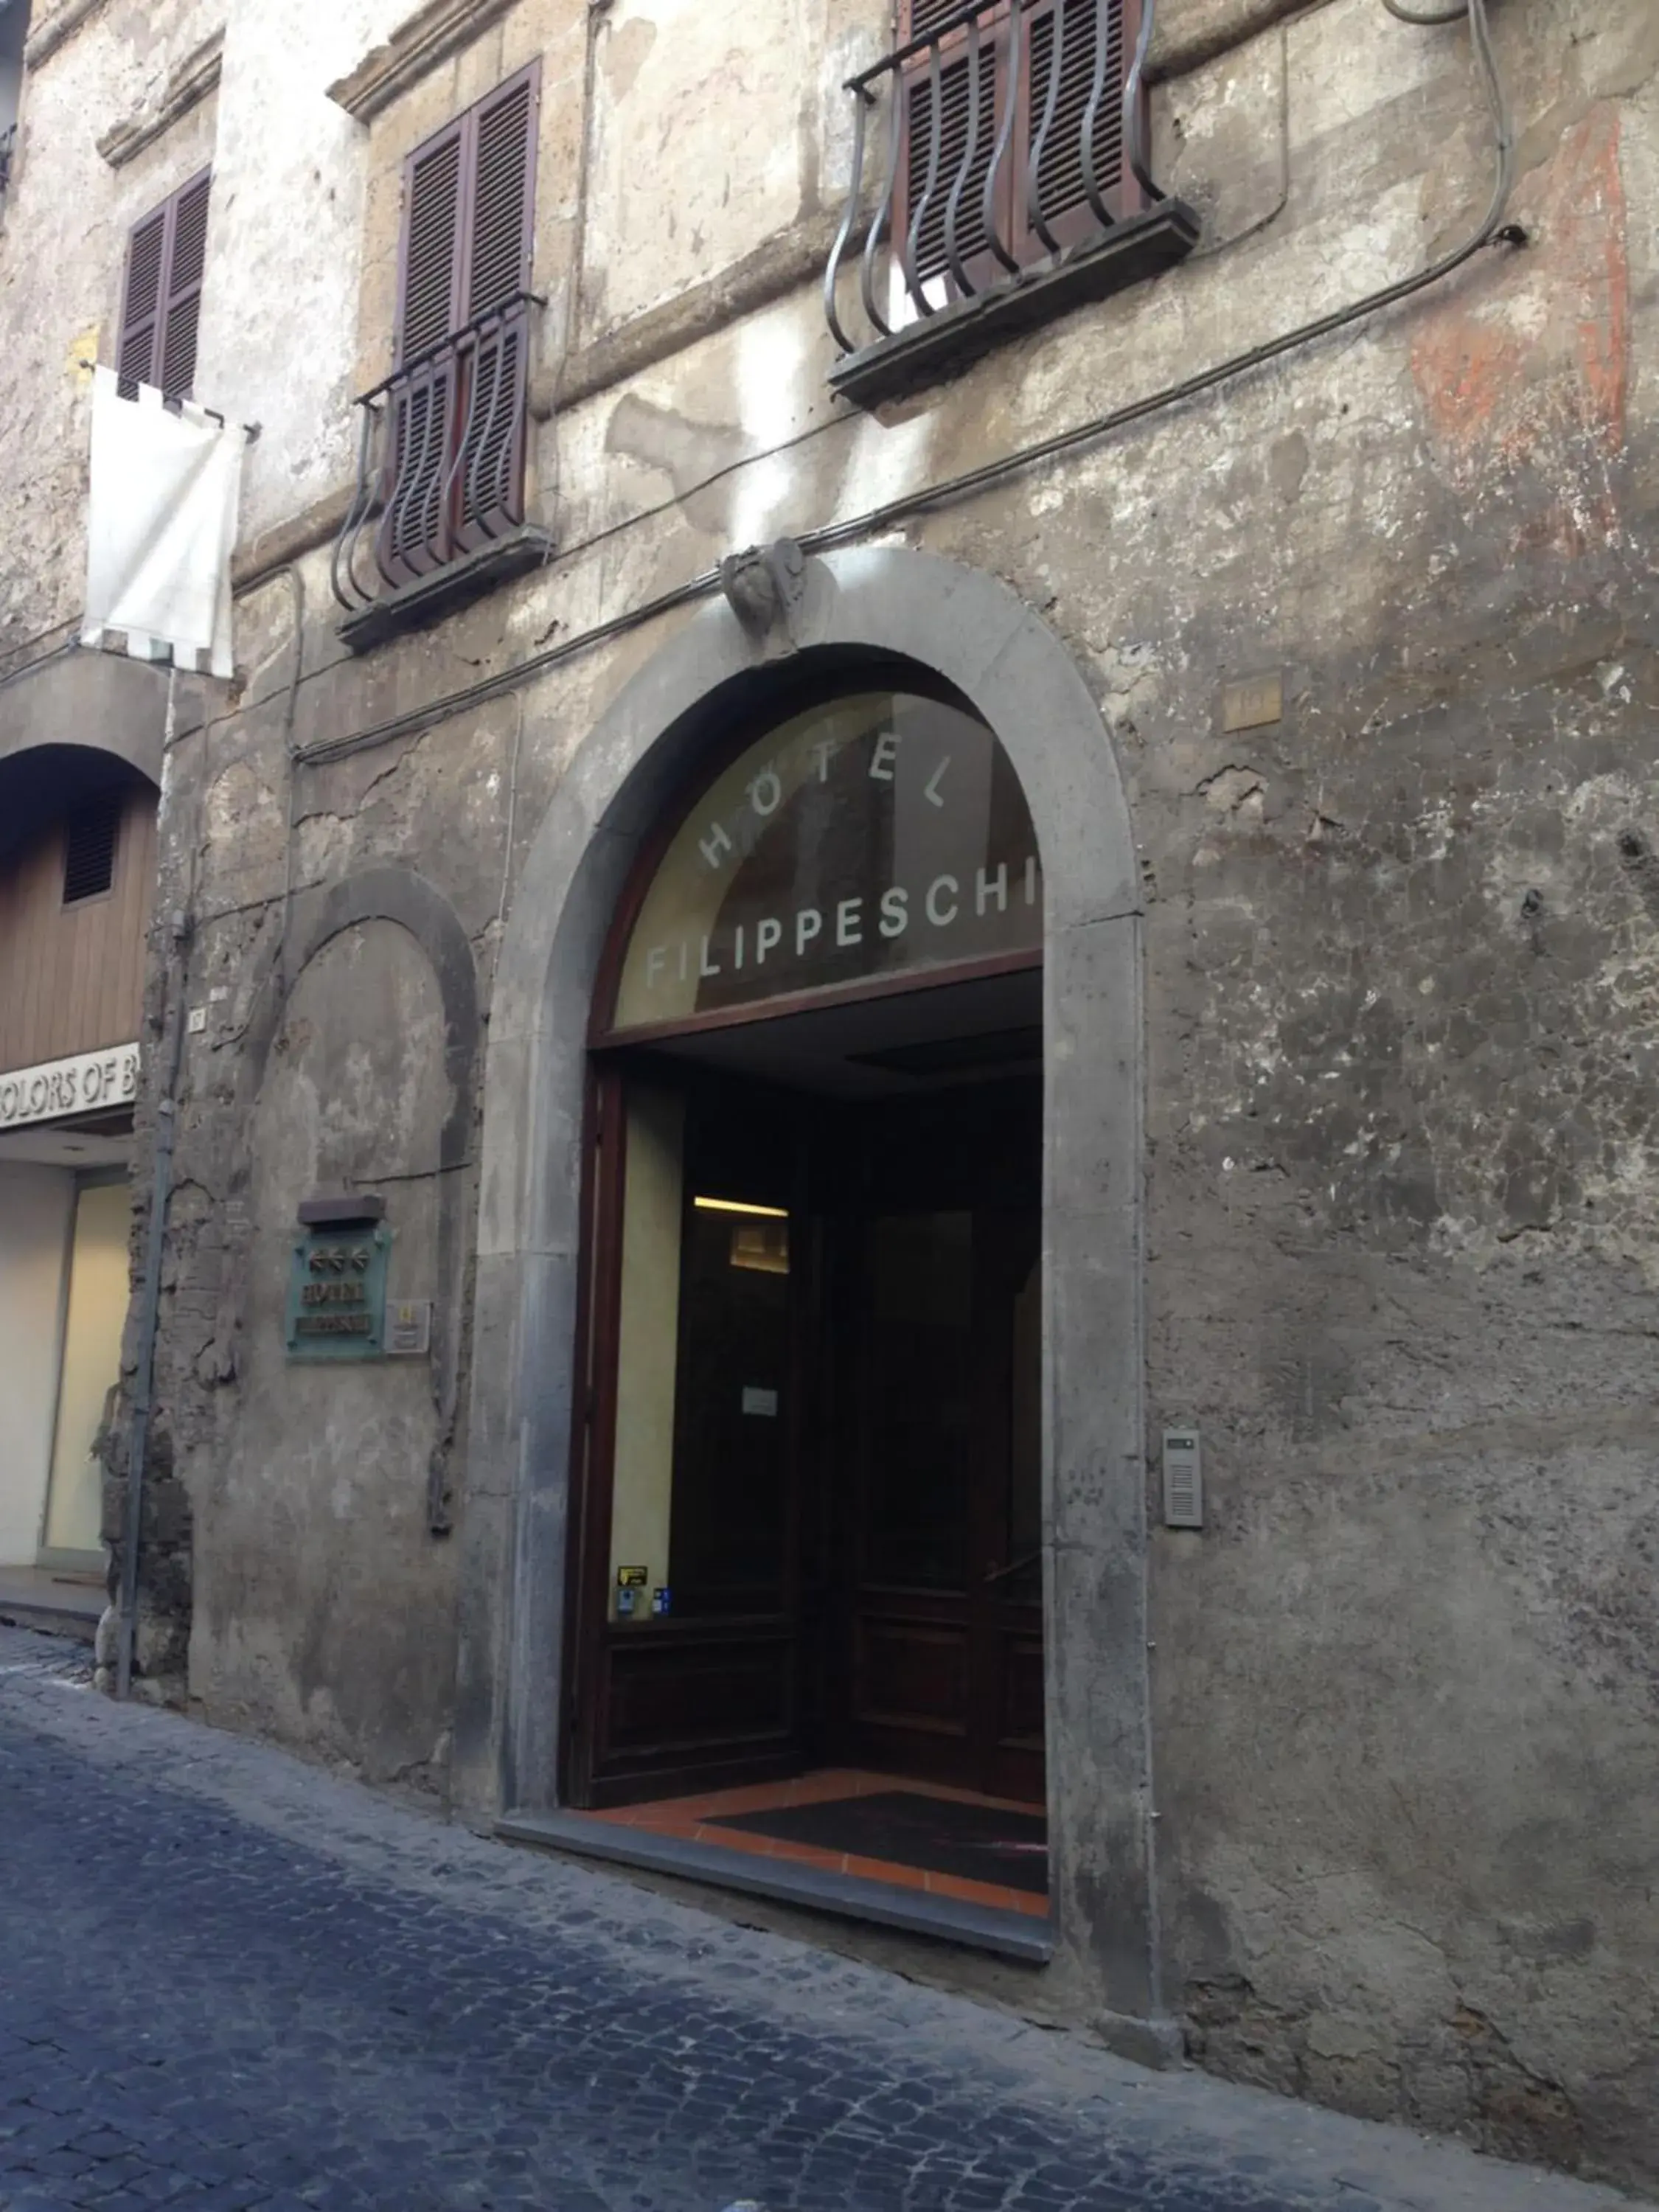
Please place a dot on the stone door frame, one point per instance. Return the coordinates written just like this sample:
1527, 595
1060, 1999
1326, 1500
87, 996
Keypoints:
971, 630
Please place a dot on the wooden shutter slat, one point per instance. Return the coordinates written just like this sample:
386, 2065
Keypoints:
162, 295
415, 530
414, 536
186, 271
141, 303
918, 17
500, 210
430, 258
1070, 26
189, 259
1061, 174
491, 488
455, 477
972, 246
178, 370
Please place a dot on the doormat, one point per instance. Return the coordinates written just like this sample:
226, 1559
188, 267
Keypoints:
942, 1835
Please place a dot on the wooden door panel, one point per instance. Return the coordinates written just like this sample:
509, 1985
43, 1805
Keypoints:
71, 976
1020, 1724
712, 1693
941, 1467
893, 1396
912, 1674
669, 1699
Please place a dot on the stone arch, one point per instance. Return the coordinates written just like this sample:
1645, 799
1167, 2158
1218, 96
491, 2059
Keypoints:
399, 894
322, 1611
98, 701
975, 633
436, 961
387, 894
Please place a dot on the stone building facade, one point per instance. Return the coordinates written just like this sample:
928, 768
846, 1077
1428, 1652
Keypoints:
1307, 607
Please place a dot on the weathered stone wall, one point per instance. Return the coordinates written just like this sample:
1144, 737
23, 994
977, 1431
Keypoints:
1400, 966
64, 225
323, 1607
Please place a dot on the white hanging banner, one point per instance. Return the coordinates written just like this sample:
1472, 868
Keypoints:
160, 524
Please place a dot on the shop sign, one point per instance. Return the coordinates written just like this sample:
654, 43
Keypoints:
337, 1293
90, 1082
869, 837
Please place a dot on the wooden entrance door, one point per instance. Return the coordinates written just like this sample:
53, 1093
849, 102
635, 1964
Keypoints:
813, 1440
686, 1647
938, 1347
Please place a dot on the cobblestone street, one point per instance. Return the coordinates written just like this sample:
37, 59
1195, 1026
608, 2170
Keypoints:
230, 1981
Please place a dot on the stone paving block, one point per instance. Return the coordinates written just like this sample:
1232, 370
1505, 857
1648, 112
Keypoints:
330, 2001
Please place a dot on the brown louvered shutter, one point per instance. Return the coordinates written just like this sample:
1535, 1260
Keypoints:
141, 303
953, 147
456, 472
413, 534
186, 268
161, 295
1062, 41
502, 195
500, 208
1058, 53
955, 161
429, 263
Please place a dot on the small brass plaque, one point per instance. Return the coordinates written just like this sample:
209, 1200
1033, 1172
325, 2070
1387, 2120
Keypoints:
632, 1578
1253, 701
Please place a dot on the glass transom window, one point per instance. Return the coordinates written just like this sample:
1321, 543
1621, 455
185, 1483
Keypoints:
880, 835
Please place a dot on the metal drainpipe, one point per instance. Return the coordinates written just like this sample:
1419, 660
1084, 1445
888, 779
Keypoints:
150, 1294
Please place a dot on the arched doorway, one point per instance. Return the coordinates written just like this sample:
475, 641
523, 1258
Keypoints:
811, 1508
77, 878
627, 775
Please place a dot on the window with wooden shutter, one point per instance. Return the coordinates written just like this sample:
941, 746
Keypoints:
1064, 74
161, 295
455, 476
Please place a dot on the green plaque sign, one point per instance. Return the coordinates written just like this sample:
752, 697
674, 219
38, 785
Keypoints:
336, 1292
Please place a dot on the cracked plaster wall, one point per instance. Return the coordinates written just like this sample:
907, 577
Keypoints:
1401, 982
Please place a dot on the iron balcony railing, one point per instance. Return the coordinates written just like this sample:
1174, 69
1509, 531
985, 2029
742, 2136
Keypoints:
441, 458
1013, 131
